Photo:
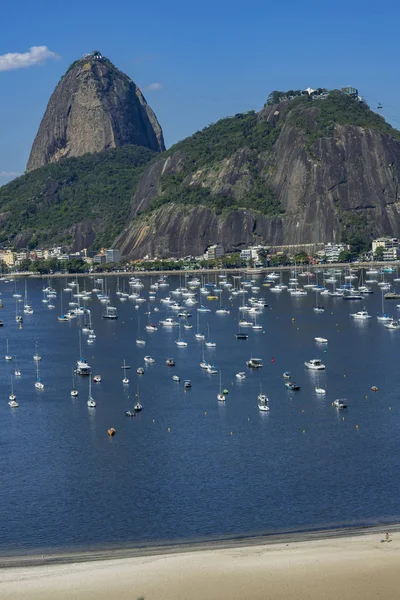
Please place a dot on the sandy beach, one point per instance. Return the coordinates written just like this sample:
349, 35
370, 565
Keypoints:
355, 567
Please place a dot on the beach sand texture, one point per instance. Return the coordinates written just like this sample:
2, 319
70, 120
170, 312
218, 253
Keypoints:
346, 568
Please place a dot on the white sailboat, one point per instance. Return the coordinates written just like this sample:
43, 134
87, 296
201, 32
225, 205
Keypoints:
198, 335
38, 383
139, 340
74, 391
209, 343
220, 396
12, 398
180, 342
36, 356
91, 403
125, 380
8, 355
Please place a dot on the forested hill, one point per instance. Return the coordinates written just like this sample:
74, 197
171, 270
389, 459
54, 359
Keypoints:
79, 202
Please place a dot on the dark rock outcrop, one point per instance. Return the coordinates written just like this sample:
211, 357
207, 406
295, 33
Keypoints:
93, 108
354, 171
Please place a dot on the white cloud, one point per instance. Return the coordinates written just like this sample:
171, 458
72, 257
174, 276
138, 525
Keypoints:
9, 173
20, 60
153, 87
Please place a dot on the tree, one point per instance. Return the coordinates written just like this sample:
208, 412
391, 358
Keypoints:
301, 258
345, 256
378, 255
279, 259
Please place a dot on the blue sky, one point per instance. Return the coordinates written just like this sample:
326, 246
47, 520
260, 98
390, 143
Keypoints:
212, 58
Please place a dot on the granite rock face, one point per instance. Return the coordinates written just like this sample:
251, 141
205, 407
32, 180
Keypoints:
354, 171
93, 108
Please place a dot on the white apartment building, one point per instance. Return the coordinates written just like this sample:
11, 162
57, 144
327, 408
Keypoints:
251, 253
214, 251
390, 246
332, 251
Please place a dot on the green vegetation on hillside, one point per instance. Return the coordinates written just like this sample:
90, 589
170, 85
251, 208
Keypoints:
336, 109
95, 189
207, 149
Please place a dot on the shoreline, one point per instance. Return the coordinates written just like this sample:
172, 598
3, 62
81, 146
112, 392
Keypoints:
41, 557
354, 565
249, 271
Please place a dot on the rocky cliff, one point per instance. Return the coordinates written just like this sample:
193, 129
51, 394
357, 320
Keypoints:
301, 171
93, 108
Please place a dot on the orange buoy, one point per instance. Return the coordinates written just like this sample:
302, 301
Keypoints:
111, 431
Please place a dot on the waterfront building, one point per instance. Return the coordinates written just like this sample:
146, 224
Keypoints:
214, 251
113, 255
390, 246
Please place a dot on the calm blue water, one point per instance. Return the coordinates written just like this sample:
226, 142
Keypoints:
188, 467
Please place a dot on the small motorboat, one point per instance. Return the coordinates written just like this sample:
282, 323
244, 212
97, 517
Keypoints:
286, 375
254, 363
241, 376
321, 340
320, 391
170, 362
361, 315
130, 413
319, 309
212, 370
176, 378
149, 360
241, 336
291, 385
187, 383
340, 404
374, 388
140, 371
315, 364
393, 325
13, 403
111, 431
97, 378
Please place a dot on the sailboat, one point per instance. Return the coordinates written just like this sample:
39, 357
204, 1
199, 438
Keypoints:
318, 389
12, 398
27, 307
7, 356
150, 326
62, 318
209, 343
139, 340
220, 395
240, 335
221, 310
82, 366
198, 335
383, 316
317, 307
38, 383
18, 317
36, 356
74, 391
125, 380
91, 403
138, 407
180, 342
